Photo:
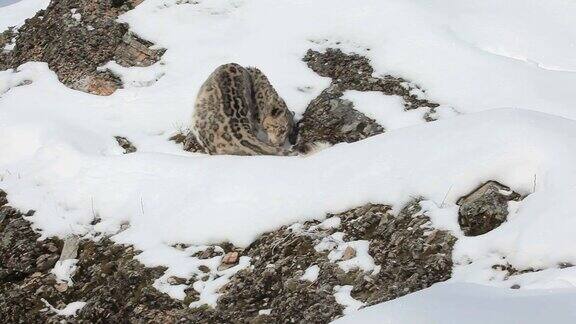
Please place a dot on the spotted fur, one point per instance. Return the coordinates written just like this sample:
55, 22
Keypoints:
238, 112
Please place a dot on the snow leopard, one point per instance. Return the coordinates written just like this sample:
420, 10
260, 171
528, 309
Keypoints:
238, 112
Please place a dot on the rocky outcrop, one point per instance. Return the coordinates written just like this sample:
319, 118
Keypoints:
485, 208
330, 119
405, 252
77, 37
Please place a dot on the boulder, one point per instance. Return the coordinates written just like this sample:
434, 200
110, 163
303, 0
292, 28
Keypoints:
485, 208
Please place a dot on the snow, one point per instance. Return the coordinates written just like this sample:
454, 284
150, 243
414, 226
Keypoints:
388, 111
265, 311
76, 15
342, 296
69, 310
311, 273
471, 304
64, 270
209, 289
503, 72
328, 223
14, 13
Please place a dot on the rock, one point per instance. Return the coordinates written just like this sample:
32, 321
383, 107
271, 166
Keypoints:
75, 48
125, 144
330, 119
230, 258
485, 208
173, 280
46, 261
135, 51
348, 254
70, 248
354, 72
61, 287
117, 287
3, 199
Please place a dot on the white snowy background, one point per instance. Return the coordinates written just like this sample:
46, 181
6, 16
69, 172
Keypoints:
504, 72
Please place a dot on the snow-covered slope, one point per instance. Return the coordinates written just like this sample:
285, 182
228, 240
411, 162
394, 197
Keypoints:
58, 155
468, 303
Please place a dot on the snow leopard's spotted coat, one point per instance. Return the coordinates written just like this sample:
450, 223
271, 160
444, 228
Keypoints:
235, 105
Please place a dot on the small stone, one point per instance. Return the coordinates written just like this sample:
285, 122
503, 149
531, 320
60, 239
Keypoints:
230, 258
51, 247
36, 274
349, 253
125, 144
173, 280
564, 265
204, 268
515, 286
61, 287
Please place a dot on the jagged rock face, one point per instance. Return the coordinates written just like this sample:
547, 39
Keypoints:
117, 288
77, 37
485, 208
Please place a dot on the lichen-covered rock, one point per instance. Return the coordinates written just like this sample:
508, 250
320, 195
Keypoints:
77, 37
485, 208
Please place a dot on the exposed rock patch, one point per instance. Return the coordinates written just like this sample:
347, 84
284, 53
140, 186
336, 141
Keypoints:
76, 37
406, 256
485, 208
330, 119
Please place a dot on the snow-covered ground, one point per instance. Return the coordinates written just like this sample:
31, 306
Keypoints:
58, 155
472, 304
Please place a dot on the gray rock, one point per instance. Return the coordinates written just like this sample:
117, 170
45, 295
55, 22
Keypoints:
330, 119
485, 208
70, 248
